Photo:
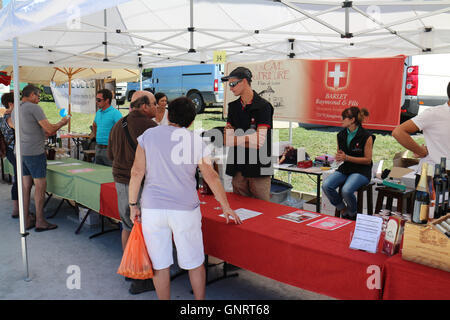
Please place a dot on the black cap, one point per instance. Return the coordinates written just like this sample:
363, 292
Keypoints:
239, 73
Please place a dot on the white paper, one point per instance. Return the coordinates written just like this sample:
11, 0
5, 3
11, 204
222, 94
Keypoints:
244, 214
367, 233
70, 164
299, 216
301, 154
54, 162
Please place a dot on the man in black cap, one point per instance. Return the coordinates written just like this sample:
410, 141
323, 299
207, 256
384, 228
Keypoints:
248, 132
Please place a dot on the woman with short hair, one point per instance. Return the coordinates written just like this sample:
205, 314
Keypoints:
168, 157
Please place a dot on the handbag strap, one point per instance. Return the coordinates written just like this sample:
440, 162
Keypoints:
127, 133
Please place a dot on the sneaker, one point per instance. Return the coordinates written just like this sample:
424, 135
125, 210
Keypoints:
140, 286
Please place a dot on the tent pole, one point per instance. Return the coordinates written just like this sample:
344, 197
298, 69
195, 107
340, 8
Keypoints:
106, 37
23, 232
290, 143
140, 73
70, 101
347, 19
191, 15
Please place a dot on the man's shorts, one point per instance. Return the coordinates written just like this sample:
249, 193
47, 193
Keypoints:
123, 205
158, 225
35, 166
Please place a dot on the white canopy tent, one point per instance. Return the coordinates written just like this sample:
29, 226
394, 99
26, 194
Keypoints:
145, 33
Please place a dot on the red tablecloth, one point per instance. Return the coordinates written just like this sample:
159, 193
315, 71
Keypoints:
108, 200
296, 254
406, 280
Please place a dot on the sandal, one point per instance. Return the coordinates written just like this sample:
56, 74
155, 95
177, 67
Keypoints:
49, 227
32, 224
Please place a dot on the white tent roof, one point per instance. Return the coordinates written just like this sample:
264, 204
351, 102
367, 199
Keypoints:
158, 33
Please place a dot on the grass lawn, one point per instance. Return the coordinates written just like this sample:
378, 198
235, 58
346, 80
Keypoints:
316, 142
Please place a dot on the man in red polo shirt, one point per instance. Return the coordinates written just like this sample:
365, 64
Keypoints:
248, 132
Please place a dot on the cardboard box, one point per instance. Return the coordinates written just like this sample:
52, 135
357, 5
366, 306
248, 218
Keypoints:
401, 160
93, 218
425, 244
406, 176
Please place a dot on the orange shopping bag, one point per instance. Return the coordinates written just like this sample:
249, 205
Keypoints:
136, 263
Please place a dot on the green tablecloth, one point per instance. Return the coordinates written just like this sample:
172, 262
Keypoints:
77, 180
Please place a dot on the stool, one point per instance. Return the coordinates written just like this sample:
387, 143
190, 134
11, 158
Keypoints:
88, 155
404, 199
360, 199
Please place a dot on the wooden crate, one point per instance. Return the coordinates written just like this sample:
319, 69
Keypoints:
426, 245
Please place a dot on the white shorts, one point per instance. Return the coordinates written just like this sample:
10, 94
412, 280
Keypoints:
158, 225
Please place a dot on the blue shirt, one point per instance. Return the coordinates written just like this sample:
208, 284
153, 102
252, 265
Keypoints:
105, 120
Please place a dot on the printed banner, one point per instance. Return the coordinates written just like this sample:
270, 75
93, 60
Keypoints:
317, 91
82, 95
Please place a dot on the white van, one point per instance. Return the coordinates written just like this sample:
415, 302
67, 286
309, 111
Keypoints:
433, 76
121, 93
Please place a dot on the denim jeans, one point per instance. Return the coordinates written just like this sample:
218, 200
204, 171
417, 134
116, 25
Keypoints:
349, 184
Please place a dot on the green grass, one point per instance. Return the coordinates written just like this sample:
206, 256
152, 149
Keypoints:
315, 142
79, 122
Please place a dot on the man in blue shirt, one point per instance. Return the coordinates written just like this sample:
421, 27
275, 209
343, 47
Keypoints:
105, 118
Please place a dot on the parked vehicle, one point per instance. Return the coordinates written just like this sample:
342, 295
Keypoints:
121, 93
201, 83
426, 79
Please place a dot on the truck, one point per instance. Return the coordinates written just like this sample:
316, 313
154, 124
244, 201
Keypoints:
121, 93
201, 83
426, 78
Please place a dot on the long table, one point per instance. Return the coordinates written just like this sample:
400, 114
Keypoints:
80, 181
315, 171
406, 280
77, 180
296, 254
303, 256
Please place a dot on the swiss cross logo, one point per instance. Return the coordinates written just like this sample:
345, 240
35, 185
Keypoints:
337, 74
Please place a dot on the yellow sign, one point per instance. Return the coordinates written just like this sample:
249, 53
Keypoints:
220, 57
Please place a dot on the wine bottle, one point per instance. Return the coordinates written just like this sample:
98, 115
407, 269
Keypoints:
432, 191
437, 184
445, 185
422, 198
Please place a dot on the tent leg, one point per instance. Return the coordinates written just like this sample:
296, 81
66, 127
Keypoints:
19, 160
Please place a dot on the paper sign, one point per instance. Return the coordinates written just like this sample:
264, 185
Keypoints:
367, 233
70, 164
299, 216
329, 223
54, 162
81, 170
219, 57
244, 214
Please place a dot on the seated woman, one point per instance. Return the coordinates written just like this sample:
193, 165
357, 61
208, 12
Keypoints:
355, 150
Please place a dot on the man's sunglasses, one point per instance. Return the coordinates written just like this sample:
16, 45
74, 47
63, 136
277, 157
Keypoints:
99, 100
235, 83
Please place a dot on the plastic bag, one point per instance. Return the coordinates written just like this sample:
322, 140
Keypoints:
136, 262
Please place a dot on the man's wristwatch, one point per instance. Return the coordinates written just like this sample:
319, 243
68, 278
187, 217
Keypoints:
133, 204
